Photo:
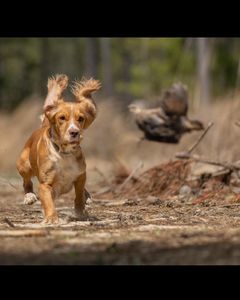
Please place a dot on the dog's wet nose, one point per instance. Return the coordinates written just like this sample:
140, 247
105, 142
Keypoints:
74, 132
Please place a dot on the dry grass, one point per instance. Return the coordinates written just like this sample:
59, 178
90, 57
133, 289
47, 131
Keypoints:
114, 136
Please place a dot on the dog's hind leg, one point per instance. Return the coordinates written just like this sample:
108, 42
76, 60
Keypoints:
24, 169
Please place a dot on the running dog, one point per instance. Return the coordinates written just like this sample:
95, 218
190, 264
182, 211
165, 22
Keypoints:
53, 153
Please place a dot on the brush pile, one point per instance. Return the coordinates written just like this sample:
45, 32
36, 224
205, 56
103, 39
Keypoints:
164, 180
176, 180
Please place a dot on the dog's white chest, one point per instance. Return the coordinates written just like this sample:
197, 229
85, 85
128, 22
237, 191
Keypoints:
67, 170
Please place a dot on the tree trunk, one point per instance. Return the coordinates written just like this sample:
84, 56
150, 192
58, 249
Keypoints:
91, 57
45, 65
203, 69
145, 59
106, 66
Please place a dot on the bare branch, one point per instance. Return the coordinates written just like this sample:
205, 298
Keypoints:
6, 220
139, 166
194, 146
185, 155
103, 176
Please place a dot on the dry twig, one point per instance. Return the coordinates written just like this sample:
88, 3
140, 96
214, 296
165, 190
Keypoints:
7, 182
190, 150
6, 220
232, 167
103, 176
187, 154
139, 166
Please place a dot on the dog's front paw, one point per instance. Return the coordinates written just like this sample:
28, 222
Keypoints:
82, 215
29, 199
50, 220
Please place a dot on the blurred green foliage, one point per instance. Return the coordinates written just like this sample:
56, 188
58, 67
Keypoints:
141, 67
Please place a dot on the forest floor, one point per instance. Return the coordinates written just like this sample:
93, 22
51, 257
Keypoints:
160, 217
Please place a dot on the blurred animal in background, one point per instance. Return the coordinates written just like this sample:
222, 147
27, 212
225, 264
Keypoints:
169, 121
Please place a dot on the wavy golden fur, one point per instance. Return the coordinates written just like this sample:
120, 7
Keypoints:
84, 88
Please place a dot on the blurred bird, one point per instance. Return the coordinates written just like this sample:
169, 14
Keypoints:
168, 122
174, 100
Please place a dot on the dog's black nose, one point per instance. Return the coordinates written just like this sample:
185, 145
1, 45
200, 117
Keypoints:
74, 133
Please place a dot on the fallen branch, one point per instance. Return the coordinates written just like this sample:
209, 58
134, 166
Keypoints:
221, 173
6, 220
139, 166
185, 155
22, 233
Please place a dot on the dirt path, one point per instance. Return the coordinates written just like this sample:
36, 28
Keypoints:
126, 231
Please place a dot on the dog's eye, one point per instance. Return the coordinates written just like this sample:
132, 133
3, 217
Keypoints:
62, 118
80, 119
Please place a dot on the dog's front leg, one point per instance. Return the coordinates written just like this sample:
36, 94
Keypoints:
46, 197
80, 200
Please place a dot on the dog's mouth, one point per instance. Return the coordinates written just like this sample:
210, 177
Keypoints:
74, 142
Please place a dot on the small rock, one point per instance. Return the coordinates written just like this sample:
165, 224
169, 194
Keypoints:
153, 200
235, 180
185, 190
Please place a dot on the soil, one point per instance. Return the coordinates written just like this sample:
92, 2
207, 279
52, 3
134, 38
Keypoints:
174, 222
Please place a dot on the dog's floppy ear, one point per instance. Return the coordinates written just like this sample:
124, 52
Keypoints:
83, 93
56, 85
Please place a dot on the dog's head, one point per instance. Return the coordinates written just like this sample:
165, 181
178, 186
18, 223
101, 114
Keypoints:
69, 119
